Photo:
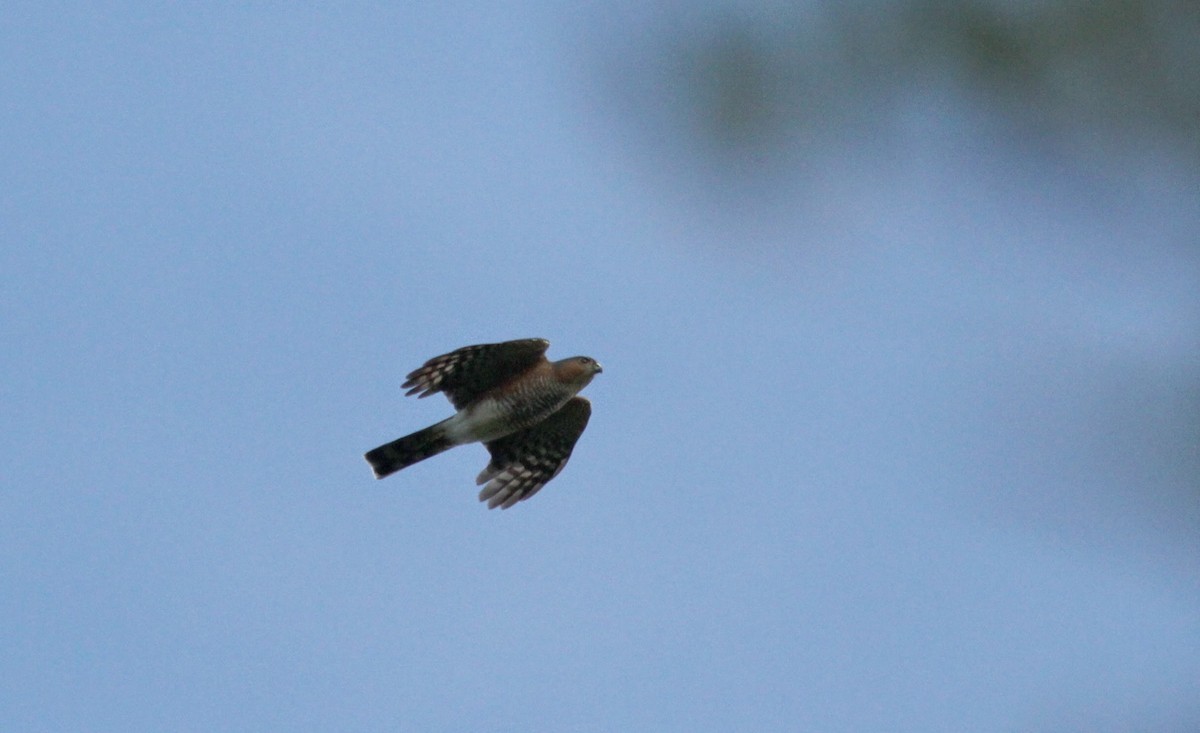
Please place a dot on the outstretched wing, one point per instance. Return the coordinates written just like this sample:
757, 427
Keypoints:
466, 373
525, 461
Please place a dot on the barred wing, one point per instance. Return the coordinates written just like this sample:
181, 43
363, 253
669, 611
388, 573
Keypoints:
524, 462
465, 374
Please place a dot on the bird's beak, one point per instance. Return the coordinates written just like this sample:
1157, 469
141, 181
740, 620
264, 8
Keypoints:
599, 368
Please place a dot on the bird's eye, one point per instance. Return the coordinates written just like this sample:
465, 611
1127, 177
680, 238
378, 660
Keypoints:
584, 360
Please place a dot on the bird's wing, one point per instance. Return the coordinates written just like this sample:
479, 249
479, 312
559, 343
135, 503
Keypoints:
466, 373
525, 461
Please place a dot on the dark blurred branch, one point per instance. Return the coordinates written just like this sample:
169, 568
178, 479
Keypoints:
1099, 75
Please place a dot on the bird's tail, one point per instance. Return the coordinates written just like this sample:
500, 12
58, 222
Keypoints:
403, 452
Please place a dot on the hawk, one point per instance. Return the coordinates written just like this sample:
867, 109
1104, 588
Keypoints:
521, 406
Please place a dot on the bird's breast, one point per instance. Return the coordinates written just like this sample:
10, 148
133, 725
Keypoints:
499, 415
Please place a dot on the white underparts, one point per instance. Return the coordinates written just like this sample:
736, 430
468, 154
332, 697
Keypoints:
495, 417
481, 421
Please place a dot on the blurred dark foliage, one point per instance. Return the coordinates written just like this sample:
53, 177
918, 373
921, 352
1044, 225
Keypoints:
1124, 69
747, 92
1091, 78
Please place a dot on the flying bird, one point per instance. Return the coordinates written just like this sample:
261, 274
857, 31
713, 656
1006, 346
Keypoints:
521, 406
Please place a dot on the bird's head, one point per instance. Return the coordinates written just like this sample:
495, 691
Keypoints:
578, 370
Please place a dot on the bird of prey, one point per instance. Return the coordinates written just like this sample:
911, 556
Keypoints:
521, 406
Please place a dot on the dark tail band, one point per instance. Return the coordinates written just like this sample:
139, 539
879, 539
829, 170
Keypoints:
403, 452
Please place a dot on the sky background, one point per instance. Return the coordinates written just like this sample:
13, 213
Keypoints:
899, 428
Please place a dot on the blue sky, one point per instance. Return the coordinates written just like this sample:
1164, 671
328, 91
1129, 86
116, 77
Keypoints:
904, 438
